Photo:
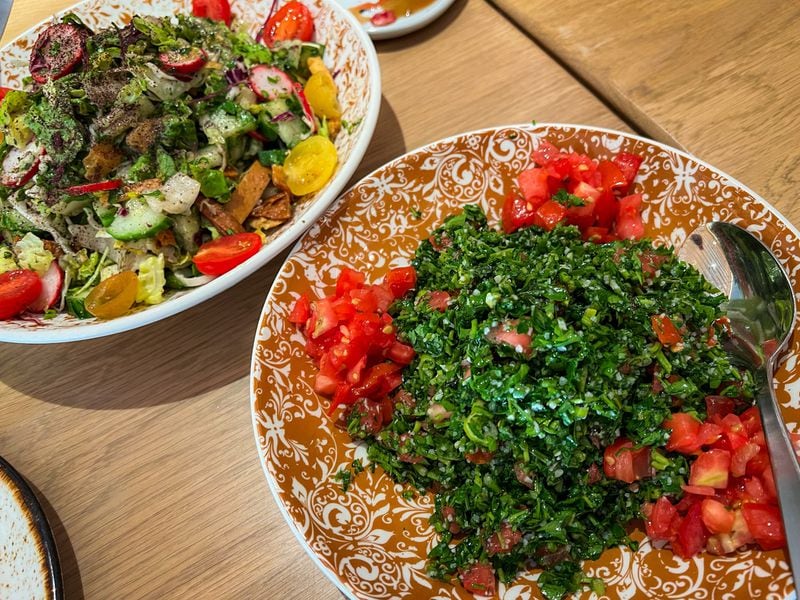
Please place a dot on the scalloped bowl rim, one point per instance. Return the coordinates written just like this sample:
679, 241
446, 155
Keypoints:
193, 297
333, 577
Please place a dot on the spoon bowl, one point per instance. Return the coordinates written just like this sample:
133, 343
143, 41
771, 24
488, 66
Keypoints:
761, 309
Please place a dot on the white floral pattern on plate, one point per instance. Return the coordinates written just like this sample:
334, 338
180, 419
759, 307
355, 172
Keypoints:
372, 542
350, 56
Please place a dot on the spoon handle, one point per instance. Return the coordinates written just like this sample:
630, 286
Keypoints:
785, 468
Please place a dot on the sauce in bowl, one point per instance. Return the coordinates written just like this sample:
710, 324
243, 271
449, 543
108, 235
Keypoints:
386, 12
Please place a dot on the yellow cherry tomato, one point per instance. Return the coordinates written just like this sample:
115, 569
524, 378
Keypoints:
310, 165
320, 92
114, 296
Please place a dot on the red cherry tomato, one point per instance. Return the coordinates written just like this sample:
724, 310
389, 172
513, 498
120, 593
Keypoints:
293, 21
223, 254
216, 10
18, 289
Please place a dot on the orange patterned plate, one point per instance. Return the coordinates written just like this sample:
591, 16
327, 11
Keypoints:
371, 542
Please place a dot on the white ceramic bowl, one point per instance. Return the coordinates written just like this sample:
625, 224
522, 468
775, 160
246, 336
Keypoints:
351, 57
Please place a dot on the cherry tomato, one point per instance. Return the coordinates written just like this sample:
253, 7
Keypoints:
320, 91
293, 21
310, 165
216, 10
18, 289
223, 254
113, 297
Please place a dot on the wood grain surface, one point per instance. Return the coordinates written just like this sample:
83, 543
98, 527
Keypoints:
141, 446
720, 78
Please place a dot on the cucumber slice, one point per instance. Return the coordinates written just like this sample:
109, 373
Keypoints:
136, 220
228, 125
292, 131
105, 212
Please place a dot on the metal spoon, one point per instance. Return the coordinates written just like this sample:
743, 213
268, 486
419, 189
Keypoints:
761, 308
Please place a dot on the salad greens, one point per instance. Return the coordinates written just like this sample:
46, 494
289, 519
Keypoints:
127, 147
544, 356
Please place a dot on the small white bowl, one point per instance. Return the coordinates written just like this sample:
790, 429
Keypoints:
351, 57
404, 24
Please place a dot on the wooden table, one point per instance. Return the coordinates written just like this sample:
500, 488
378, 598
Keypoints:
141, 445
719, 78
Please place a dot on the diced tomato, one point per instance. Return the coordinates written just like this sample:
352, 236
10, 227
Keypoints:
754, 490
665, 330
439, 300
375, 414
768, 480
624, 462
586, 192
545, 154
323, 317
581, 216
479, 457
348, 279
751, 419
374, 379
533, 184
549, 214
741, 456
400, 280
759, 463
301, 310
684, 431
506, 333
716, 516
699, 490
503, 540
711, 468
764, 523
324, 384
651, 262
660, 519
734, 431
719, 406
598, 235
611, 177
478, 579
629, 225
692, 534
709, 434
517, 213
628, 165
401, 353
606, 209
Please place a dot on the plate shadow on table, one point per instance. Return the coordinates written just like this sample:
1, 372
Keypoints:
387, 143
70, 573
194, 352
399, 44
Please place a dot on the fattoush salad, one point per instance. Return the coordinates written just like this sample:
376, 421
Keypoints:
156, 155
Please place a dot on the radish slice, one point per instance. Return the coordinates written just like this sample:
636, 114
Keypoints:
308, 114
270, 82
183, 61
20, 165
52, 280
57, 51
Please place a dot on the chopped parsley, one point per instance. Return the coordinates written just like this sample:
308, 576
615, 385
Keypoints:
509, 430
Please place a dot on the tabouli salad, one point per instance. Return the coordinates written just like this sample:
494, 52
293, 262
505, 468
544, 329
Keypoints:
549, 383
156, 155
